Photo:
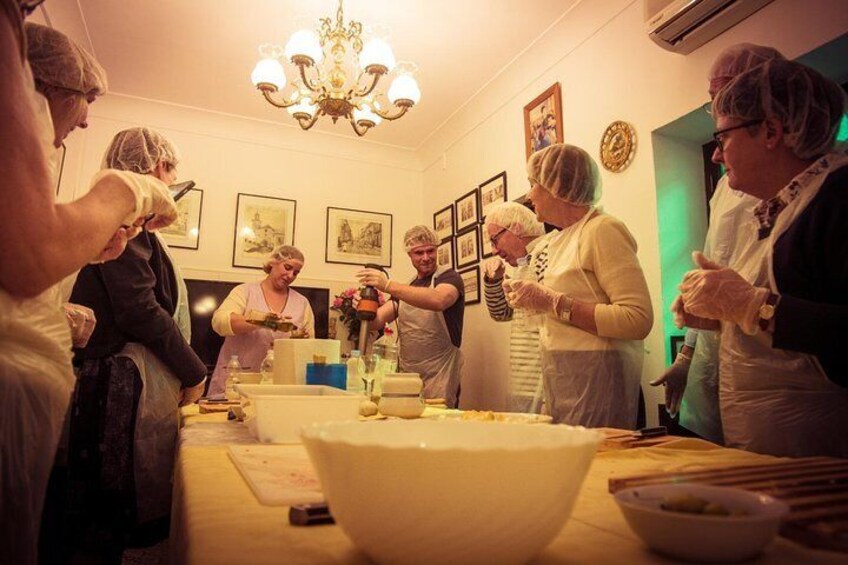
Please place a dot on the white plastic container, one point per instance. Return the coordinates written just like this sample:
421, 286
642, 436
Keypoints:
275, 413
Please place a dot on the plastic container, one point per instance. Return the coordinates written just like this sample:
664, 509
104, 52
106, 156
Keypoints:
402, 395
524, 318
355, 370
267, 368
275, 413
233, 369
332, 374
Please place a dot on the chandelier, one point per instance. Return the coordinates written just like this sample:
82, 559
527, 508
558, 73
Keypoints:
337, 77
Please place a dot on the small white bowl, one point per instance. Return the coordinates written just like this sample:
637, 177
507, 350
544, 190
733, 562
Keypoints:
702, 537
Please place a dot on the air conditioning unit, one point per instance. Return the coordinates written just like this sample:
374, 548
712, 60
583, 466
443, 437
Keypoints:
684, 25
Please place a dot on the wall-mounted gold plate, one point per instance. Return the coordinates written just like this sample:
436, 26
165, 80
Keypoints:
618, 146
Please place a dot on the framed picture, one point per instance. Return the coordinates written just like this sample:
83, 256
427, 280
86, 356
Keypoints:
543, 120
676, 342
471, 281
492, 193
444, 255
467, 210
486, 249
185, 231
467, 249
443, 222
262, 224
357, 237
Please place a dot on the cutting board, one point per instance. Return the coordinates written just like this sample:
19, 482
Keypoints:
278, 475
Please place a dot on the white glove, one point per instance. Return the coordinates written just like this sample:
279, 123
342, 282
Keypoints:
151, 195
493, 268
683, 319
375, 278
81, 320
720, 293
529, 295
674, 380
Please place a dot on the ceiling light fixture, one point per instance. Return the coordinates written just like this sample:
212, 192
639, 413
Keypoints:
343, 79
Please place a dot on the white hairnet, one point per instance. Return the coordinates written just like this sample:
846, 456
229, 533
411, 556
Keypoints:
741, 57
506, 214
567, 172
807, 105
58, 61
417, 236
282, 253
139, 150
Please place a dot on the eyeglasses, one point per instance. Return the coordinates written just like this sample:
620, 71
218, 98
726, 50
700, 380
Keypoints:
717, 134
494, 239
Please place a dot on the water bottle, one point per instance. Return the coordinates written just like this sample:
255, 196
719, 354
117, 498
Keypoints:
527, 319
267, 368
355, 371
233, 369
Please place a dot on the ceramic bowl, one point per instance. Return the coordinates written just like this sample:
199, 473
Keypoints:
430, 491
702, 537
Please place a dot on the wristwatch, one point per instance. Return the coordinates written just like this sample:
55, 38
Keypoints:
564, 308
767, 310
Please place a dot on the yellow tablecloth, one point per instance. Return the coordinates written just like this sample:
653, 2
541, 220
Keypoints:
217, 519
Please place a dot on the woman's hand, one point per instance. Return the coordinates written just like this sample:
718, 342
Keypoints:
493, 268
117, 244
191, 394
530, 295
683, 319
82, 321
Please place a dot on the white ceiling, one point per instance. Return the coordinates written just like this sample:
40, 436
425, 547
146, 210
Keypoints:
200, 53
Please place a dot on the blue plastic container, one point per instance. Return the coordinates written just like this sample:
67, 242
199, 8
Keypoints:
330, 374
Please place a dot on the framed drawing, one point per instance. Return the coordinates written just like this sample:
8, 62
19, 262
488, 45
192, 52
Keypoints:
675, 343
467, 210
467, 250
486, 249
262, 223
444, 255
357, 237
185, 231
492, 193
443, 222
471, 282
543, 120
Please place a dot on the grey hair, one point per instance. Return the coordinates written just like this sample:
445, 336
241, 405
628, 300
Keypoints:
508, 213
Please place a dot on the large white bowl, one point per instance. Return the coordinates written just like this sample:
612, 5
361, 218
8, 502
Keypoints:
699, 537
427, 491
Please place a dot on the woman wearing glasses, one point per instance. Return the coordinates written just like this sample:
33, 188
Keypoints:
782, 307
593, 292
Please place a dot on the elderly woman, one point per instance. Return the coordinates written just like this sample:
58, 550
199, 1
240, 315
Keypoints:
135, 371
593, 292
783, 304
271, 295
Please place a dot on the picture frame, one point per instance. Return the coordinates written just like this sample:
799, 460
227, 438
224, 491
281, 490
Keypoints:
443, 222
184, 233
486, 249
471, 281
492, 193
467, 247
467, 210
358, 237
262, 224
543, 120
676, 342
444, 255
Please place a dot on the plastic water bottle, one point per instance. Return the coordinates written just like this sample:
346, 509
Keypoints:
525, 318
267, 368
355, 371
233, 369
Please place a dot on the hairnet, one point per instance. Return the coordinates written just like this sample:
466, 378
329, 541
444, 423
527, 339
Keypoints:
282, 253
808, 106
567, 172
139, 150
58, 61
741, 57
508, 213
417, 236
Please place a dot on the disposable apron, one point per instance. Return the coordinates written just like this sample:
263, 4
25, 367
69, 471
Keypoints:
777, 401
157, 420
588, 380
426, 349
699, 411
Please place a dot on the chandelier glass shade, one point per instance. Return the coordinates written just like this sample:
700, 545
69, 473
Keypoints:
336, 76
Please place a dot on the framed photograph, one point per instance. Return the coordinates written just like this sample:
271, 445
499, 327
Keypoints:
185, 231
444, 255
675, 343
467, 210
467, 249
486, 249
443, 222
262, 223
357, 237
492, 193
543, 120
471, 281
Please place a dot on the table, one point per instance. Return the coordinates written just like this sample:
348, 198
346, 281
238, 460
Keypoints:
217, 519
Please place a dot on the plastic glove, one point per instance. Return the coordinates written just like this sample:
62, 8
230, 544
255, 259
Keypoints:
719, 293
375, 278
151, 195
529, 295
493, 268
82, 321
192, 394
683, 319
674, 380
115, 247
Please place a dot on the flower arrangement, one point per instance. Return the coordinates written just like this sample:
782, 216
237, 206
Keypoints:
345, 303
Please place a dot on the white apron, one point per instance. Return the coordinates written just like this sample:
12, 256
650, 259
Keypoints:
777, 401
157, 421
589, 380
426, 349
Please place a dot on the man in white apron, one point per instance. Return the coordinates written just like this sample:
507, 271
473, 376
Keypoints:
429, 311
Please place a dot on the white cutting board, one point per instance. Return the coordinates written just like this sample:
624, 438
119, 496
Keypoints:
278, 475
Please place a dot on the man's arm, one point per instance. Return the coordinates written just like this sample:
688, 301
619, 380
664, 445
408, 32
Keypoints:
437, 299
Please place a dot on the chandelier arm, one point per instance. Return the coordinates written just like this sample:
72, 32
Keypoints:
387, 116
359, 132
313, 86
269, 98
306, 124
369, 90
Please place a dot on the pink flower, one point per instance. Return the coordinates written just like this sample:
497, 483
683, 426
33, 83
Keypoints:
337, 303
